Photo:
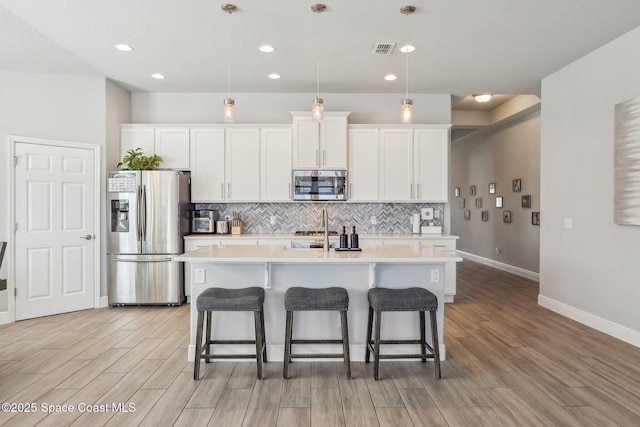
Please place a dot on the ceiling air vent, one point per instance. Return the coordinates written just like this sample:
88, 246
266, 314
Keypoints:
383, 48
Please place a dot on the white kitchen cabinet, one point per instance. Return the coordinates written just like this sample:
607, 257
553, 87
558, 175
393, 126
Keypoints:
320, 145
396, 165
207, 165
363, 165
242, 167
430, 165
275, 164
172, 144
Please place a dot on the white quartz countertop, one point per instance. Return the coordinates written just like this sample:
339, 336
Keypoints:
239, 254
293, 236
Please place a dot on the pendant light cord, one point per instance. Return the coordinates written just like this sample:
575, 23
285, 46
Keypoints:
318, 73
406, 76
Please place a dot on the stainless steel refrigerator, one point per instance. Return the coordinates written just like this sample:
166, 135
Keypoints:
148, 215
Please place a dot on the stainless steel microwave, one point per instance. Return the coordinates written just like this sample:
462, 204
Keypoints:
320, 185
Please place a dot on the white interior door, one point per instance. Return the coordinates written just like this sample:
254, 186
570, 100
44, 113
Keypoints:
54, 239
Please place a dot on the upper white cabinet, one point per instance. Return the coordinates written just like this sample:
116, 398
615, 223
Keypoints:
406, 164
172, 144
363, 165
275, 165
207, 165
242, 167
430, 164
396, 164
320, 145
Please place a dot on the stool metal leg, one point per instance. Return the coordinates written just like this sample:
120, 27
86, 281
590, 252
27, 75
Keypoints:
369, 340
435, 343
287, 344
259, 342
264, 336
345, 343
208, 347
376, 347
423, 336
196, 362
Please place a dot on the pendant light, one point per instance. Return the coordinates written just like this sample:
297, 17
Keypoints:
229, 103
406, 108
317, 108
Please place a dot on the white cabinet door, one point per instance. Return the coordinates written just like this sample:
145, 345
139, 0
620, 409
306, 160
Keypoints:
130, 139
207, 165
275, 165
243, 164
306, 140
333, 142
173, 146
431, 160
396, 164
363, 165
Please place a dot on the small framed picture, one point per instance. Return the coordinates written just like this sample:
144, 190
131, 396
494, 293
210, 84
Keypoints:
516, 185
535, 218
526, 202
456, 191
506, 217
492, 188
485, 216
472, 190
478, 202
461, 203
467, 215
498, 201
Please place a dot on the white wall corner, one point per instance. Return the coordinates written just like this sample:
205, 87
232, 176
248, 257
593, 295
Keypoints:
532, 275
620, 332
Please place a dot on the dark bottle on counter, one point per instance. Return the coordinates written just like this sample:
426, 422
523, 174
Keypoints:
344, 239
354, 238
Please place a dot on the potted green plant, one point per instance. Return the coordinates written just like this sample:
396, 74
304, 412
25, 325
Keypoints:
135, 160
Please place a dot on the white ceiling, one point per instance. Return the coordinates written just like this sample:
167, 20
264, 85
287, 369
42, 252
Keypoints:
464, 46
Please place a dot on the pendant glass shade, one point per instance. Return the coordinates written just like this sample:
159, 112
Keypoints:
228, 110
317, 109
406, 111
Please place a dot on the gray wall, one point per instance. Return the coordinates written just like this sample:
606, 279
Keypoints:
498, 155
591, 271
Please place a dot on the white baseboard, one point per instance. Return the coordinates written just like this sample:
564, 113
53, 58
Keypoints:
104, 302
598, 323
275, 352
501, 266
5, 318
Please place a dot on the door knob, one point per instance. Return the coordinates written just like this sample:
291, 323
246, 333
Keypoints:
87, 237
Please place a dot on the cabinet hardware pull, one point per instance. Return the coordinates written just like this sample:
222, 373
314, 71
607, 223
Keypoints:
228, 190
222, 190
324, 157
317, 160
417, 190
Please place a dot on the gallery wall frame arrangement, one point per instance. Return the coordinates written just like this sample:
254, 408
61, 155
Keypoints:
498, 201
478, 202
456, 192
472, 190
526, 202
506, 217
535, 218
492, 188
467, 215
461, 203
516, 185
485, 216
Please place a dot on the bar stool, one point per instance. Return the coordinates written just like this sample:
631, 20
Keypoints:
409, 299
223, 299
307, 299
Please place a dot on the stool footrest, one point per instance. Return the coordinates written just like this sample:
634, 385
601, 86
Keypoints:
319, 356
316, 341
228, 356
399, 342
230, 342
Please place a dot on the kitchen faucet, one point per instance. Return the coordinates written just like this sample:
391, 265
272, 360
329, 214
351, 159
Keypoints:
325, 224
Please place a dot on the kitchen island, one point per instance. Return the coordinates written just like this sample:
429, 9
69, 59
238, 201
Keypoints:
277, 267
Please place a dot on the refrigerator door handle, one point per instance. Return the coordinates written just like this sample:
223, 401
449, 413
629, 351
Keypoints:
138, 225
144, 213
142, 260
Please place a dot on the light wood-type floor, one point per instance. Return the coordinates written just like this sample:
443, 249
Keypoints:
509, 362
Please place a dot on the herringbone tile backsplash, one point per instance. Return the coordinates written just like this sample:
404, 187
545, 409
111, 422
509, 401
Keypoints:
290, 217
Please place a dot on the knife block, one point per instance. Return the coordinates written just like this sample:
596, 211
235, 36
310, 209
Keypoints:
236, 226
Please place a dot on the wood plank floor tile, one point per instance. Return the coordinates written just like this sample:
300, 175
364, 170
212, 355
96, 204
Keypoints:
211, 386
244, 375
356, 400
231, 408
326, 407
384, 392
264, 405
394, 417
323, 375
294, 417
144, 401
493, 416
194, 417
31, 418
403, 374
84, 376
167, 410
421, 407
516, 408
296, 390
169, 370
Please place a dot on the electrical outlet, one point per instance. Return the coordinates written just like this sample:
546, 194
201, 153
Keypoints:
426, 214
374, 220
199, 275
272, 220
435, 276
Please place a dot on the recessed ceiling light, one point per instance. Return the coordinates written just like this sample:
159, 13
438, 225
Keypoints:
267, 48
390, 77
157, 76
124, 47
274, 76
408, 48
485, 97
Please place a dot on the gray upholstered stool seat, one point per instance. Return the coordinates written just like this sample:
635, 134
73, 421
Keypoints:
310, 299
299, 299
407, 299
224, 299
